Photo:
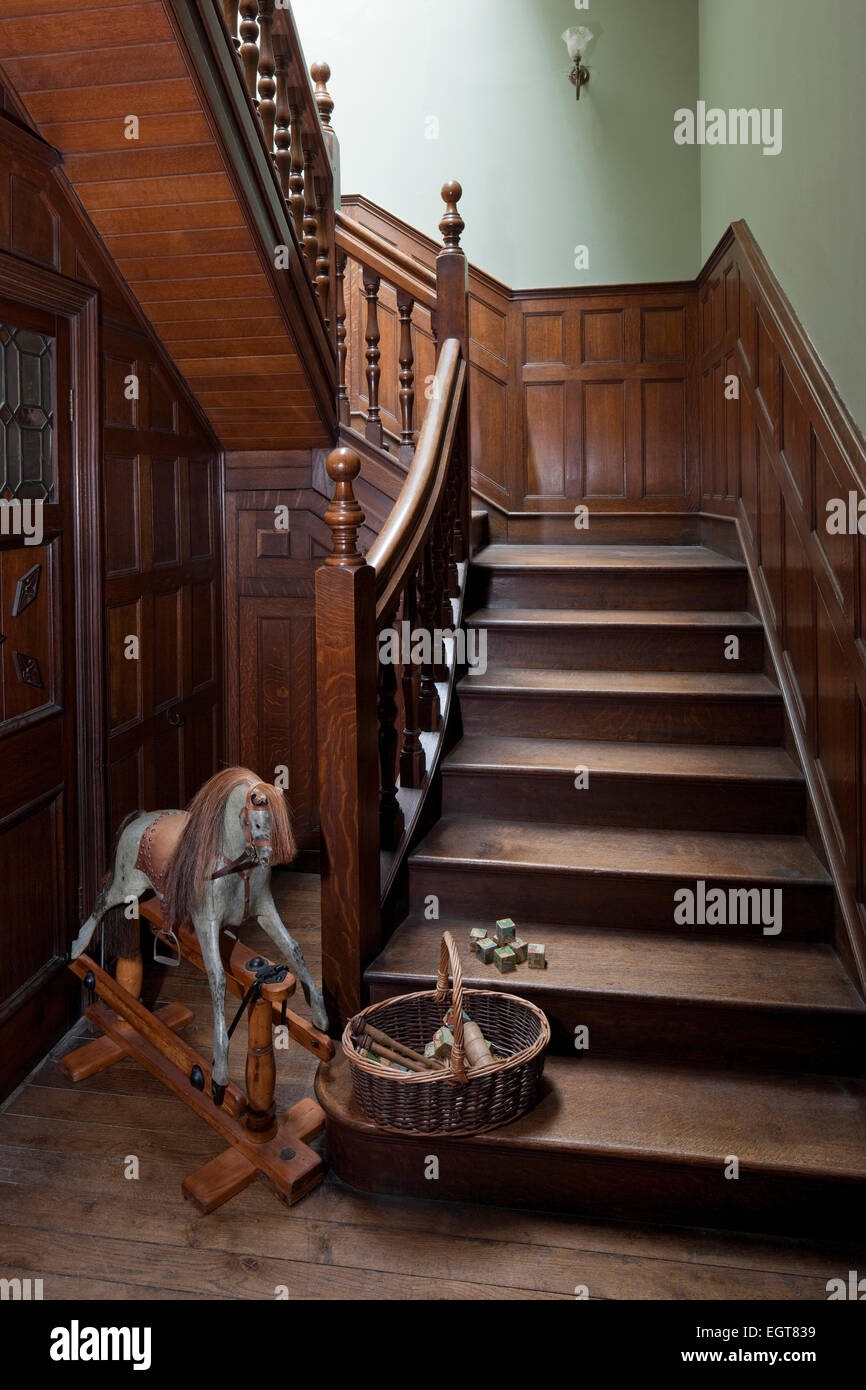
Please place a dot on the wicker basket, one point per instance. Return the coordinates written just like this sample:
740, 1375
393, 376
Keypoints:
450, 1101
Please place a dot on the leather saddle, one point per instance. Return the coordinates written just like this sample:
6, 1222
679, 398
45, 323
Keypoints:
159, 845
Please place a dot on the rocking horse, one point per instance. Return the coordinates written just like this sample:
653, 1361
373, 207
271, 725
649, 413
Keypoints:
210, 868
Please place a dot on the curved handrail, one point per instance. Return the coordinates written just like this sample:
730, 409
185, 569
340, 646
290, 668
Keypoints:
396, 548
393, 265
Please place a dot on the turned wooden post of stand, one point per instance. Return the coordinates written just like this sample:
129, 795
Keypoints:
261, 1073
452, 321
348, 753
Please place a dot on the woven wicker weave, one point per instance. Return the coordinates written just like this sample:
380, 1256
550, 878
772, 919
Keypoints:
451, 1101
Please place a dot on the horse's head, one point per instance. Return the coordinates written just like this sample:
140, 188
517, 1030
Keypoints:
257, 822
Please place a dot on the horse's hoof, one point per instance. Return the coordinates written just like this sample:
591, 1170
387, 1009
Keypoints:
217, 1092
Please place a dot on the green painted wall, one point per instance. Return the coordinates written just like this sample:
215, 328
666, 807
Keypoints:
807, 206
541, 173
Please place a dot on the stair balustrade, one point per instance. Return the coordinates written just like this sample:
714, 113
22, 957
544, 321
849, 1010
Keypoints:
386, 623
295, 123
365, 262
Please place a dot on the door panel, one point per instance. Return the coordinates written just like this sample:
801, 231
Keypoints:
38, 850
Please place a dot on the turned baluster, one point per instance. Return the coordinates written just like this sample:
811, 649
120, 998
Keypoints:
230, 15
342, 351
405, 306
321, 75
296, 169
429, 712
413, 763
323, 259
267, 67
282, 134
449, 518
311, 212
440, 555
249, 32
391, 822
372, 335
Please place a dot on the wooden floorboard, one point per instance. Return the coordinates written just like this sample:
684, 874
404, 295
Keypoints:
69, 1216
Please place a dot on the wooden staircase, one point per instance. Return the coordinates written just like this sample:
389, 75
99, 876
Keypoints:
705, 1042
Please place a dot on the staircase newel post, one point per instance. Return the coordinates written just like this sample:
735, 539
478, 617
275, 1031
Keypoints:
346, 686
452, 321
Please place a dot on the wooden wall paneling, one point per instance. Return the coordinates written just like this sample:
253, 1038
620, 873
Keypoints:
271, 638
795, 450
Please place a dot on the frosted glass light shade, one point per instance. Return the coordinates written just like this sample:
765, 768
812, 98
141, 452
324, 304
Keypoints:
577, 40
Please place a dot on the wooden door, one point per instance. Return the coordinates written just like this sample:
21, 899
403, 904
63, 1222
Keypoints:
38, 795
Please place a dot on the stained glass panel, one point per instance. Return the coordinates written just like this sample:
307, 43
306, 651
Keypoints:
26, 413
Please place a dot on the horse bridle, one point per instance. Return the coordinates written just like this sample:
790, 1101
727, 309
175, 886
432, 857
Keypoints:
256, 841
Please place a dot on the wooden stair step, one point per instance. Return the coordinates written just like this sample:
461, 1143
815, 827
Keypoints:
609, 876
699, 787
635, 1140
606, 576
631, 639
725, 1003
595, 557
652, 706
608, 528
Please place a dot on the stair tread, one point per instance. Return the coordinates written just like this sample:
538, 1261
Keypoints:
499, 556
556, 681
765, 973
799, 1124
719, 761
609, 617
628, 852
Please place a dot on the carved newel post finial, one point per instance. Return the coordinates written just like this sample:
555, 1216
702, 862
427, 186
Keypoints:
452, 223
321, 75
344, 516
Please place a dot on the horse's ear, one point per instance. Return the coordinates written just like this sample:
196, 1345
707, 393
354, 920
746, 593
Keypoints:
283, 844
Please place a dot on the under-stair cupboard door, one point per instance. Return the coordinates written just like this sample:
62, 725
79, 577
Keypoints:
162, 538
38, 827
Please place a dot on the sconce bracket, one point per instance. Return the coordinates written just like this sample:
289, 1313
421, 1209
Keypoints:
578, 76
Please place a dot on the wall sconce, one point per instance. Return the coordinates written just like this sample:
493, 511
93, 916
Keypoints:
578, 39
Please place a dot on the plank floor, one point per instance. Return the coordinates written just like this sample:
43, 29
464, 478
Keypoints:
69, 1216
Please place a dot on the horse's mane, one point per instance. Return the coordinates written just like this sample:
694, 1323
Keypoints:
198, 851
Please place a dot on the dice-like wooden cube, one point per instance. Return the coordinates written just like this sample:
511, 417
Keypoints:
519, 948
484, 951
535, 956
503, 959
477, 934
505, 931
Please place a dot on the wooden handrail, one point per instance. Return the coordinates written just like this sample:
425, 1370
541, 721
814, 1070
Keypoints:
395, 550
394, 266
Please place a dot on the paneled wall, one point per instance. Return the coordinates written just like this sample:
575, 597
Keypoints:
271, 649
139, 494
576, 396
774, 458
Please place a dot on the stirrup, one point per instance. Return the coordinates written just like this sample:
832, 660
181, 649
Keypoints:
173, 943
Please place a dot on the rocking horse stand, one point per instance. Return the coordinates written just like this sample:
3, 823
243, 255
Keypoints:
260, 1141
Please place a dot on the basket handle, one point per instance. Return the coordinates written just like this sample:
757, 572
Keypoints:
448, 954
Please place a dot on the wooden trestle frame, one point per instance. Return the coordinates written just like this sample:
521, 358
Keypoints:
260, 1140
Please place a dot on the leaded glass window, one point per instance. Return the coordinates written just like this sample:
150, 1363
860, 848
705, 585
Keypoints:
27, 367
